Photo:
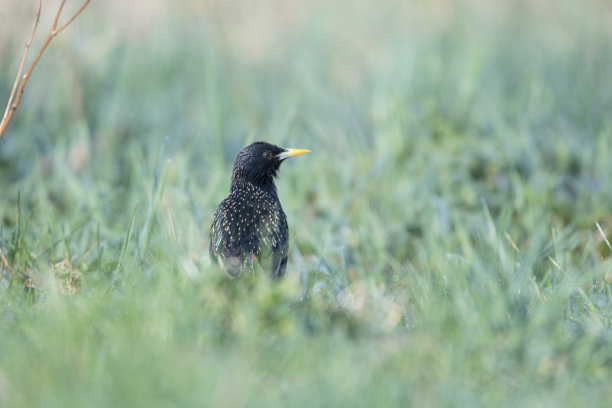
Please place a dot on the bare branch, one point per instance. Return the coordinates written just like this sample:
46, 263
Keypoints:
59, 30
5, 118
57, 16
20, 81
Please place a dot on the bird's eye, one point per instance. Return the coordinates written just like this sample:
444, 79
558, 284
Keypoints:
268, 155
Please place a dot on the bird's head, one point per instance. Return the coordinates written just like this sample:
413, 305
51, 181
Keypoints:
259, 162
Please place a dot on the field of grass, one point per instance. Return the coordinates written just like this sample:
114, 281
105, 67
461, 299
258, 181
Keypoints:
449, 231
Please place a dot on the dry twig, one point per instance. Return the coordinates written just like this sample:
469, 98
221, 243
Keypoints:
20, 81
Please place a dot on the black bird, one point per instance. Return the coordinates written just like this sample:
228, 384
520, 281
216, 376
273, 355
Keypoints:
250, 225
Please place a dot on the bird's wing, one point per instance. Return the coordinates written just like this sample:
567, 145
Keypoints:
221, 246
216, 232
274, 236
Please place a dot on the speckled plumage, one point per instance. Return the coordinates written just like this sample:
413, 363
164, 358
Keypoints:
250, 226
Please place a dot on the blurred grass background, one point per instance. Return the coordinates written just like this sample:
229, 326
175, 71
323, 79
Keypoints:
444, 245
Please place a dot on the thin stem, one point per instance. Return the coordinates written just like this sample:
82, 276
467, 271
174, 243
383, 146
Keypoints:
57, 16
6, 118
20, 81
59, 30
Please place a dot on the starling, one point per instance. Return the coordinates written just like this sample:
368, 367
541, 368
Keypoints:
250, 225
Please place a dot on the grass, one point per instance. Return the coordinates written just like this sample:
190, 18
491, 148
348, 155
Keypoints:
448, 232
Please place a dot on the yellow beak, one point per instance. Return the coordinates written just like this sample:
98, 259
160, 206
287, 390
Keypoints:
291, 152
